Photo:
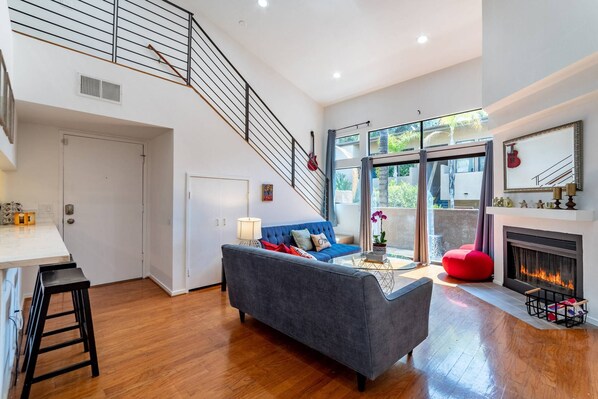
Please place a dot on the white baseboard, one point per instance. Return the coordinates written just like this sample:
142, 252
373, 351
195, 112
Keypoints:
165, 288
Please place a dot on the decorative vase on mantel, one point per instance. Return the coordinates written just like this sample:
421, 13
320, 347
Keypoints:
379, 249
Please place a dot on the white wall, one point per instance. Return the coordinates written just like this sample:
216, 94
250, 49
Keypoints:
447, 91
202, 142
161, 162
525, 41
546, 78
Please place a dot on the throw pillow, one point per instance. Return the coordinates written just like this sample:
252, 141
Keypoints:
283, 248
302, 253
320, 241
302, 239
268, 245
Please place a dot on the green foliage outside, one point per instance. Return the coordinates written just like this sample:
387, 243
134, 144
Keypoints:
402, 195
342, 182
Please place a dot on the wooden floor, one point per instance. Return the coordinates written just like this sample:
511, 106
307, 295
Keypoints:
154, 346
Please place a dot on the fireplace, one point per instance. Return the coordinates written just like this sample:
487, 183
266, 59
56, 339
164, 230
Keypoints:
543, 259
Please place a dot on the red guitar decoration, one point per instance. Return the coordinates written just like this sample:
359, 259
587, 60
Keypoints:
513, 160
312, 162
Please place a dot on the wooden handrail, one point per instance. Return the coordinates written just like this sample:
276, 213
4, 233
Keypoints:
164, 60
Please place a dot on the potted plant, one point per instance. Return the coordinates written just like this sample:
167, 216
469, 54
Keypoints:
379, 245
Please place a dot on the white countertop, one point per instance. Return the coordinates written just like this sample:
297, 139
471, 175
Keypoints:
22, 246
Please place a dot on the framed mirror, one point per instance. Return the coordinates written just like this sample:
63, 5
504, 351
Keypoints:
543, 160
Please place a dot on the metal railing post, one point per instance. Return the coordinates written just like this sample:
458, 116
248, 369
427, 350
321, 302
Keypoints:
115, 32
293, 163
246, 111
189, 50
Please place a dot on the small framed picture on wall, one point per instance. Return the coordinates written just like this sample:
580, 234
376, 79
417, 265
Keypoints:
267, 192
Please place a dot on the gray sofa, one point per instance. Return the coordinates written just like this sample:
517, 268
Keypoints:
336, 310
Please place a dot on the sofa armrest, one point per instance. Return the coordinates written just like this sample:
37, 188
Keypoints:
397, 323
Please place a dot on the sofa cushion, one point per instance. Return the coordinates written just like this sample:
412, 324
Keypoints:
335, 251
303, 239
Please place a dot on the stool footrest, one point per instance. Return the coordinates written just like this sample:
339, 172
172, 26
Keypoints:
58, 372
51, 316
61, 330
61, 345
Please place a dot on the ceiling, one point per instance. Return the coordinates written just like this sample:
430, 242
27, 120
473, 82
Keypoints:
372, 43
84, 122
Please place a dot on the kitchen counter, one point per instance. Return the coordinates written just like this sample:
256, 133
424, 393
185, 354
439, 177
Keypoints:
23, 246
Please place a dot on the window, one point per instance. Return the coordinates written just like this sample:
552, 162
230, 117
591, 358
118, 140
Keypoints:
395, 139
347, 147
454, 187
465, 127
347, 186
457, 128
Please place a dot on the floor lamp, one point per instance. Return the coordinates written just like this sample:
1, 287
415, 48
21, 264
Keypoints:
249, 231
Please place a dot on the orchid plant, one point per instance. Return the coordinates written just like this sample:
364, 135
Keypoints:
379, 238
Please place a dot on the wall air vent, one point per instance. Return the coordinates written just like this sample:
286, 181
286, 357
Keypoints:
99, 89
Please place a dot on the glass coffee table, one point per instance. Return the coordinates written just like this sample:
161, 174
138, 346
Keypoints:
383, 271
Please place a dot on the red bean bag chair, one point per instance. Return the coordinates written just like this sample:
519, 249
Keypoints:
467, 246
465, 264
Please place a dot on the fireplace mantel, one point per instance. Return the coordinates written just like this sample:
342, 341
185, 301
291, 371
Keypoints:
555, 214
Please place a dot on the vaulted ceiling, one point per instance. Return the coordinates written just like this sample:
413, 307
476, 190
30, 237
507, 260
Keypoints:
372, 43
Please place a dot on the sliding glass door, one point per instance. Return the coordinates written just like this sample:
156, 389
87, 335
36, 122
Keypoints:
454, 187
395, 193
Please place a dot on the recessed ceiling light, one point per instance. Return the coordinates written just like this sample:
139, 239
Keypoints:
263, 3
336, 75
422, 39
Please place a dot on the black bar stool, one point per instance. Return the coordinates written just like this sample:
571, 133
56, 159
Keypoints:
57, 282
35, 300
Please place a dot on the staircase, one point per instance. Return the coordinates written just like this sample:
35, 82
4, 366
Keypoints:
162, 39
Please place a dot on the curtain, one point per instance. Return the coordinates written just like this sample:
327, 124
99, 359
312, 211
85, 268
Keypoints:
484, 237
330, 170
420, 250
365, 225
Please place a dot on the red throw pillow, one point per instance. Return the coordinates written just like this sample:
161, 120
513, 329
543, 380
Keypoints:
283, 248
269, 246
293, 251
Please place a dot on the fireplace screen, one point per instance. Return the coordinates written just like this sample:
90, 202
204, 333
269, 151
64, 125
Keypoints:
543, 259
544, 270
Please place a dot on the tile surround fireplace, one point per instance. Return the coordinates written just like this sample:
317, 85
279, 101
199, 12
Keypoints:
545, 259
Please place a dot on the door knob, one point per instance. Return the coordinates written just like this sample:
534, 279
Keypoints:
70, 221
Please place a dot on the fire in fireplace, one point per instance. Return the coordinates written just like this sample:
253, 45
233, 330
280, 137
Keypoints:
543, 259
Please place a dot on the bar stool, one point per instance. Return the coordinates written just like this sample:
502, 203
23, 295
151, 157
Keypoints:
57, 282
37, 295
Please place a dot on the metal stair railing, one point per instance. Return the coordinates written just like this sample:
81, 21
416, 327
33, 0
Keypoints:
162, 39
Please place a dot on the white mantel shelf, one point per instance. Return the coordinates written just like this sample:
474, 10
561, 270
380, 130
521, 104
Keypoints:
555, 214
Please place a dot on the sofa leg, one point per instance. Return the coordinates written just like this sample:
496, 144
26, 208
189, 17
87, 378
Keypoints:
361, 382
242, 316
410, 353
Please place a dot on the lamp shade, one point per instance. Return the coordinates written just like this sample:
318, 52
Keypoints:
249, 228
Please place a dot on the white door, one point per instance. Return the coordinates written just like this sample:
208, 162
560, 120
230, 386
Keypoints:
103, 181
214, 207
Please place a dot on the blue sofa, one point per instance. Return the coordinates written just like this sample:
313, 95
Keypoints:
337, 310
282, 234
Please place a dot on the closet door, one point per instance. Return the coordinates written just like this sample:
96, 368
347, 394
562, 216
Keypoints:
214, 207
